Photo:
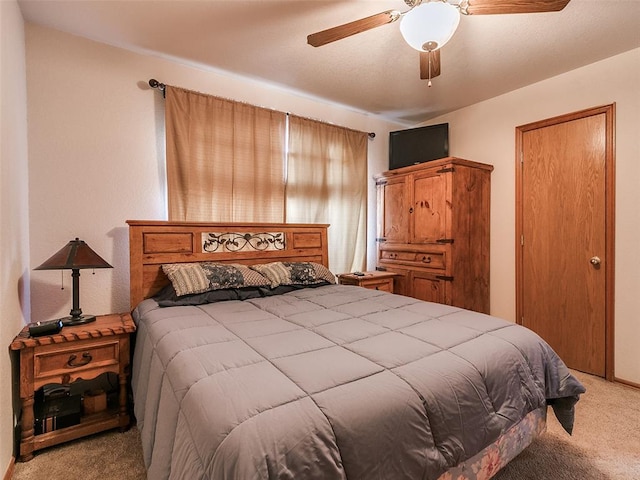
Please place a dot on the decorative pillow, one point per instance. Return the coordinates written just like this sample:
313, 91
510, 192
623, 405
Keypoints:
190, 278
294, 273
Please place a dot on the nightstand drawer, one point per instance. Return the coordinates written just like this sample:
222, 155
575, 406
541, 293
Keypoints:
382, 281
383, 285
63, 360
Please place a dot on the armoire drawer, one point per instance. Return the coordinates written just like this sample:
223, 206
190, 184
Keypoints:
436, 260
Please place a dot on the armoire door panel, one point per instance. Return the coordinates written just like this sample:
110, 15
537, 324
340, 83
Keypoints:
430, 208
393, 199
427, 287
401, 282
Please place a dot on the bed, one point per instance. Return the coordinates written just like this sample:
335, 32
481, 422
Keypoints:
301, 378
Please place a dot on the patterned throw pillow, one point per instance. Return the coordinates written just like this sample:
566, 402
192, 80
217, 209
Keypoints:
294, 273
190, 278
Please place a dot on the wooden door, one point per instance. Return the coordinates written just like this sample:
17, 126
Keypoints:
565, 236
393, 214
430, 206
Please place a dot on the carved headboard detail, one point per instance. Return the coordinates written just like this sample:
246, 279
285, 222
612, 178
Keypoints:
152, 243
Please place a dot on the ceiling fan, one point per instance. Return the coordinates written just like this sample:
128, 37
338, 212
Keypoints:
429, 24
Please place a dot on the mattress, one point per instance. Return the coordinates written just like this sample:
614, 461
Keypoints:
335, 382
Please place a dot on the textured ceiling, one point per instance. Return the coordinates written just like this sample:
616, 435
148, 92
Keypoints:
375, 71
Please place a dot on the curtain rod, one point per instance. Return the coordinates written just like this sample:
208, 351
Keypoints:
153, 83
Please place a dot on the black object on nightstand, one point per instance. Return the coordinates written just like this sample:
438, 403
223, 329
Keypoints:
49, 327
55, 407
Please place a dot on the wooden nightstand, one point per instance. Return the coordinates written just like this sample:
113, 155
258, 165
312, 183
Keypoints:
374, 280
81, 352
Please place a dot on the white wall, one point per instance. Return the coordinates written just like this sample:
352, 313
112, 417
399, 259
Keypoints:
485, 132
96, 160
96, 153
14, 210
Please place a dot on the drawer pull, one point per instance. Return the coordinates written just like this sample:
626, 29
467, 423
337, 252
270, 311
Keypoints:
446, 278
426, 259
86, 358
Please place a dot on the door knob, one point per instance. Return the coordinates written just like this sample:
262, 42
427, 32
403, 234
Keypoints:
595, 261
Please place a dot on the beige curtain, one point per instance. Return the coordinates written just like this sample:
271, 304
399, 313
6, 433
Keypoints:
225, 159
327, 183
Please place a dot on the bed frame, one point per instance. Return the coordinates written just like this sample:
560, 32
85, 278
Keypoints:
152, 243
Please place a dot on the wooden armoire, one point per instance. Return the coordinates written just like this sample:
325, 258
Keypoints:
433, 230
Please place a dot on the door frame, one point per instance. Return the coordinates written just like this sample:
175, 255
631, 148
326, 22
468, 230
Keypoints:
609, 112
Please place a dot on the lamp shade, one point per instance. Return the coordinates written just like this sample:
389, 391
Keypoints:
74, 255
430, 25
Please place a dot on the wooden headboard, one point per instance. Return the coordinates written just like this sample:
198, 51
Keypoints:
152, 243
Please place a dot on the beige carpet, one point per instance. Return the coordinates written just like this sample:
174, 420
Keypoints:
105, 456
605, 443
605, 446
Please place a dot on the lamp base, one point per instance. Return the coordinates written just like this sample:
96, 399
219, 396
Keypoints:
79, 320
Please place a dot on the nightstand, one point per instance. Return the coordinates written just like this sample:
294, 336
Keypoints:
373, 280
81, 352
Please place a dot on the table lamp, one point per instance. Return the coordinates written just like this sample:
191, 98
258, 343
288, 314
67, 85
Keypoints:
74, 256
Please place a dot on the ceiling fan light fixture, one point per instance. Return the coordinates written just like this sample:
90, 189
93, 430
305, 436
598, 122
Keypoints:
430, 25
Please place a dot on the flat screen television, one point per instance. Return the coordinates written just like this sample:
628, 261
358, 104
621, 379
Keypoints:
417, 145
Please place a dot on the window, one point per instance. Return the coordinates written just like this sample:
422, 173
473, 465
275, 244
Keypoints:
227, 162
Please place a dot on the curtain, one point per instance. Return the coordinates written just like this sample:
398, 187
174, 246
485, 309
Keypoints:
225, 159
327, 183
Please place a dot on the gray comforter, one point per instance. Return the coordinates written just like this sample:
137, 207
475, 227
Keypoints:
331, 383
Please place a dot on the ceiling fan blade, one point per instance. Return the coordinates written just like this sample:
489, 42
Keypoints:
491, 7
424, 65
342, 31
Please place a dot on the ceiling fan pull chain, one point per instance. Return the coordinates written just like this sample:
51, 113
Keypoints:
429, 84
